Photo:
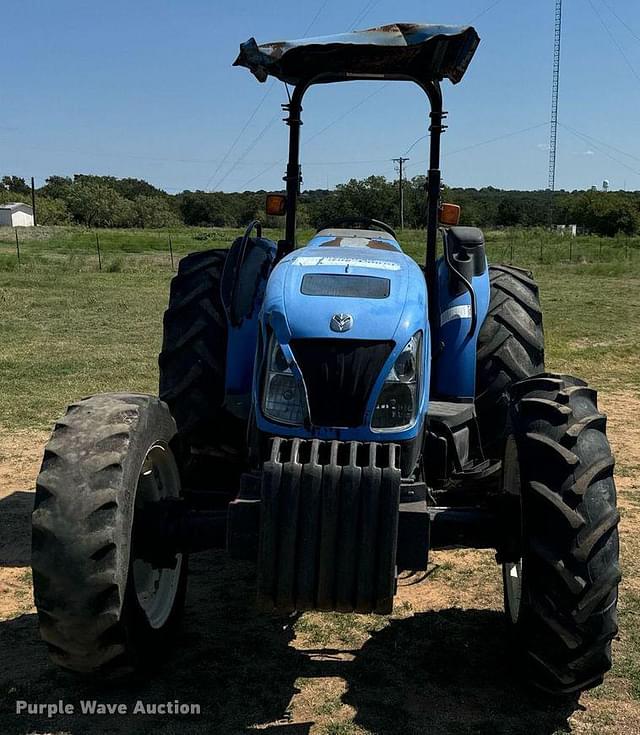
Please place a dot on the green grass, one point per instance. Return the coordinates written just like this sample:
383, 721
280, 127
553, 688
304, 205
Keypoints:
74, 248
65, 335
68, 330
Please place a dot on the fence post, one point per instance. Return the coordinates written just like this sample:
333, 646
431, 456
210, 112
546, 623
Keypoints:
600, 250
541, 246
98, 249
511, 252
171, 252
570, 250
17, 245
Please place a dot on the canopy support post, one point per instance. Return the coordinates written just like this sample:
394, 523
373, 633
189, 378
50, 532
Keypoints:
434, 183
293, 175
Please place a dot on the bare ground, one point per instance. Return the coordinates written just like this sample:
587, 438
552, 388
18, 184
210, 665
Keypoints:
438, 665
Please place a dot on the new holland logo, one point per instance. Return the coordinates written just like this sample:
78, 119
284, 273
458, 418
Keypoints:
341, 322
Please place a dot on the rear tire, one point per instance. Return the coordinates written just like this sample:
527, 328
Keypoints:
100, 609
192, 368
510, 348
561, 596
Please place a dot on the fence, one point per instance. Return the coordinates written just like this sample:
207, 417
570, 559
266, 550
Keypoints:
103, 250
75, 249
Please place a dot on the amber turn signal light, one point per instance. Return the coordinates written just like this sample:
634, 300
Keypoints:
449, 214
276, 204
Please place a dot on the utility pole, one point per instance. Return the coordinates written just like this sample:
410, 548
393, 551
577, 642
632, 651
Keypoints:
400, 161
33, 201
555, 88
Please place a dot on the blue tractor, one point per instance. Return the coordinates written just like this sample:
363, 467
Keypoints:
333, 412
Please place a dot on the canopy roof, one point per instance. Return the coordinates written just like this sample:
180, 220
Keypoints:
424, 52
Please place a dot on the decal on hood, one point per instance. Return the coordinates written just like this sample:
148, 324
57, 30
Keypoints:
309, 260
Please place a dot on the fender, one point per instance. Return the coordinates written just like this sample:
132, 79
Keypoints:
242, 290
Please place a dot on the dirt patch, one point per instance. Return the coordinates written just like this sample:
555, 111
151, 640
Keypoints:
20, 457
15, 592
623, 423
438, 665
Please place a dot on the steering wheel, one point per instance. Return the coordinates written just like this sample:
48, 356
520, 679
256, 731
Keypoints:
365, 223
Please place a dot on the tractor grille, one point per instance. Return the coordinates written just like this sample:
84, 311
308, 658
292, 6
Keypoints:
339, 375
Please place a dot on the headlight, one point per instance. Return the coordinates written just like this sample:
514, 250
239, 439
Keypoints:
282, 399
398, 401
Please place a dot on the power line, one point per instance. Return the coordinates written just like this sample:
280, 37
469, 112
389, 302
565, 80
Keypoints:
259, 175
588, 139
315, 17
240, 134
255, 112
416, 141
321, 131
614, 40
415, 163
119, 154
248, 149
600, 142
621, 20
365, 10
485, 11
498, 138
341, 117
473, 146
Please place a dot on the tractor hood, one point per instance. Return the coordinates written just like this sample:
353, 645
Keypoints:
425, 52
382, 298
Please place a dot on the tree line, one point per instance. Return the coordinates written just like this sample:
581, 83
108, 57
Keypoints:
106, 201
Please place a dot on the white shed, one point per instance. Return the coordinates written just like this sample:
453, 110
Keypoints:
16, 214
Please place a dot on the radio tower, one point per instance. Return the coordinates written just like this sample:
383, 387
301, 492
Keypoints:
555, 87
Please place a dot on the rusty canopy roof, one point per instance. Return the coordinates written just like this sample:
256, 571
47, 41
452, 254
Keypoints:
424, 52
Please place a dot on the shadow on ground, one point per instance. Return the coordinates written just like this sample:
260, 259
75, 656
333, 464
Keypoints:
233, 662
15, 529
435, 673
447, 673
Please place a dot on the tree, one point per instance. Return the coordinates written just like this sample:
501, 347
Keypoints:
133, 188
607, 213
201, 208
56, 187
52, 211
509, 213
96, 205
15, 184
373, 197
152, 211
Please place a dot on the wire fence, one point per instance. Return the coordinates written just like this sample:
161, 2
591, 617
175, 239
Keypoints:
569, 250
70, 249
109, 251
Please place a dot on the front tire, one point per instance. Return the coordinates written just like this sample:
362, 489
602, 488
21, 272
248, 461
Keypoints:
100, 608
561, 595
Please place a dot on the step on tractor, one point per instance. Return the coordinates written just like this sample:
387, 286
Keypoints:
333, 412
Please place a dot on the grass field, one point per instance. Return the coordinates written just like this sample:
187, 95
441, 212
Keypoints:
439, 664
76, 249
68, 329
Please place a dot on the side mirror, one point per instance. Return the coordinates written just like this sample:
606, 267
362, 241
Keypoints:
276, 204
449, 214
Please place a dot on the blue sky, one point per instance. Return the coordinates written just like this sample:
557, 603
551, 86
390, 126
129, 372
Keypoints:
145, 88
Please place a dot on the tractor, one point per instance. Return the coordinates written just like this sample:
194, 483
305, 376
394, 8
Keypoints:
333, 412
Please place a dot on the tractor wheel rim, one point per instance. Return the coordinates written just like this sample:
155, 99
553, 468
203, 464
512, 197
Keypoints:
513, 588
512, 571
156, 589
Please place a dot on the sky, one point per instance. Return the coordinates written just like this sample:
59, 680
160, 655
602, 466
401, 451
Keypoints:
145, 88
